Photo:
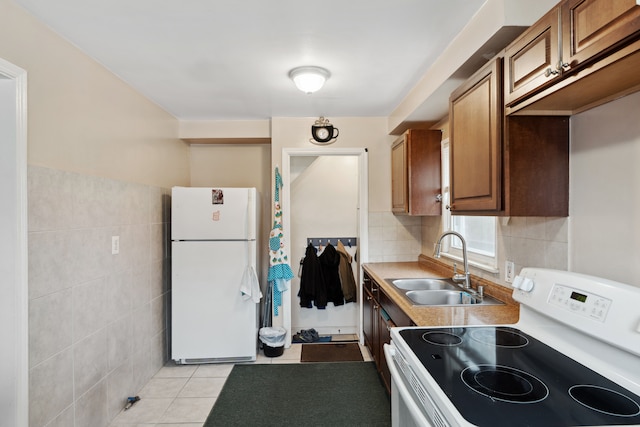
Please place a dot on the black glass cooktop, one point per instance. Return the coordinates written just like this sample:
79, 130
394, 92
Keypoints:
500, 376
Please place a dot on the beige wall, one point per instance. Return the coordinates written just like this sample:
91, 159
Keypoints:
355, 132
84, 119
231, 165
605, 191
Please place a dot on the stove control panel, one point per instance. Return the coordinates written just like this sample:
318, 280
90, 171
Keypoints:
580, 302
595, 306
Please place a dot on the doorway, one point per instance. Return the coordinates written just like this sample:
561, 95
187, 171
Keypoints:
325, 194
14, 334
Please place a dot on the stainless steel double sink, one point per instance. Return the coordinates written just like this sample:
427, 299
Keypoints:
438, 292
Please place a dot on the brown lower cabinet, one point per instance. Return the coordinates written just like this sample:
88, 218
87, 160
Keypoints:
380, 314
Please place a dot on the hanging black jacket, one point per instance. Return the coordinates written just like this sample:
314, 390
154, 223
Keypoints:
312, 287
330, 262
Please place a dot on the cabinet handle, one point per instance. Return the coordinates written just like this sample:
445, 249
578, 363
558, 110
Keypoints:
439, 198
562, 66
369, 298
548, 72
450, 207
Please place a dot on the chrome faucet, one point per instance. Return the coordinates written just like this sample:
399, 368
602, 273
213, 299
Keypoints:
456, 277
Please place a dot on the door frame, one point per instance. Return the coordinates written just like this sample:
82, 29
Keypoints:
363, 217
18, 305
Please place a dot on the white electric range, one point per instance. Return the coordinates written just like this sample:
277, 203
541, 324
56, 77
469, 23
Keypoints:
573, 359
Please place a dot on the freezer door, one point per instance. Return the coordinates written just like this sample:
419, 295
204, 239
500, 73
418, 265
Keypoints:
209, 317
199, 213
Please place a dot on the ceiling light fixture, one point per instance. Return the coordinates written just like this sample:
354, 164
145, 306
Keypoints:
309, 79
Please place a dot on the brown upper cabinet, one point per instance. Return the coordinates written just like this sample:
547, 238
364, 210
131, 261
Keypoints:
415, 173
475, 139
514, 166
574, 50
591, 28
531, 61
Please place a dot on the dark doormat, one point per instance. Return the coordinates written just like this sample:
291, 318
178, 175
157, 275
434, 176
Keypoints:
331, 353
302, 394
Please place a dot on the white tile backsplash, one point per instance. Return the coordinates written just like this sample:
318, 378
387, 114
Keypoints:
393, 237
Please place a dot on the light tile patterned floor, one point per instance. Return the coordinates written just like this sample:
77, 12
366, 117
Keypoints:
183, 395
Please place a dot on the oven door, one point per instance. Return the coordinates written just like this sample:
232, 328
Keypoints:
406, 410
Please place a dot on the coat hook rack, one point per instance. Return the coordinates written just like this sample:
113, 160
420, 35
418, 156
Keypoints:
323, 241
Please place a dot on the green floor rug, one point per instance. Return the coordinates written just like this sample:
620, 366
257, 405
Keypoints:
311, 394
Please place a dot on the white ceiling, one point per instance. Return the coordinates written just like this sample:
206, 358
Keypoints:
229, 59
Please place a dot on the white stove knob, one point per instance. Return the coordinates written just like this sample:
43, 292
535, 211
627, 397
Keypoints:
527, 285
517, 282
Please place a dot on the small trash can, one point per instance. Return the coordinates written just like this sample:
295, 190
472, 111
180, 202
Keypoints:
272, 341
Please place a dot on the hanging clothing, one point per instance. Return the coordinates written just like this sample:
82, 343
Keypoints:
312, 287
279, 271
347, 280
330, 263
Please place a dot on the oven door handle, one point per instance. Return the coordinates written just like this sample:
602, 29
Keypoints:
403, 392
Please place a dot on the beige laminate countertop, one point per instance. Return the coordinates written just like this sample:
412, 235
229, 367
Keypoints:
443, 316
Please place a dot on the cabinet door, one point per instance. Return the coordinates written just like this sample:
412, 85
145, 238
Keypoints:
592, 28
531, 61
415, 173
399, 193
475, 113
384, 326
424, 172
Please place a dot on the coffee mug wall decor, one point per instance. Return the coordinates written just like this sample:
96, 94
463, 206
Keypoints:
323, 132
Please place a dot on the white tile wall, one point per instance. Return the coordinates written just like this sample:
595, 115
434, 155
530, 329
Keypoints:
393, 238
97, 321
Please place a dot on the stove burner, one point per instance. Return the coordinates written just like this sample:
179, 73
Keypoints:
604, 400
499, 337
446, 338
504, 383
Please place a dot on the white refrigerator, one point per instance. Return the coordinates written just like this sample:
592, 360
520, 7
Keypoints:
214, 307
